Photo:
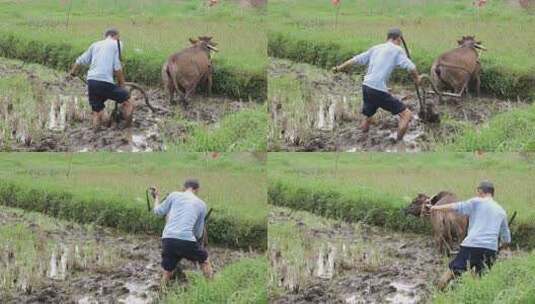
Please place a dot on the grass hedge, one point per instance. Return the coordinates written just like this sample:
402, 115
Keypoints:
224, 228
351, 208
362, 205
141, 68
496, 79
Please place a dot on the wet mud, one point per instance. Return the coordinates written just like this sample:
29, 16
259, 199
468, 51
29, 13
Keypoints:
91, 264
64, 116
331, 118
387, 267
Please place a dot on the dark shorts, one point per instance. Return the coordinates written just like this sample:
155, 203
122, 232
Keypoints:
374, 99
100, 91
478, 259
174, 250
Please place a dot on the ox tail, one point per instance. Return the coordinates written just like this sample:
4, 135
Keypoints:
172, 78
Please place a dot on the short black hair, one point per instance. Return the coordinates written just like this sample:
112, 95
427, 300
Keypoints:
111, 32
394, 33
191, 183
486, 187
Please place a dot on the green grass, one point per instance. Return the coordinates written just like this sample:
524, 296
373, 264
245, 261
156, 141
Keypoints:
374, 186
305, 31
236, 132
243, 282
109, 189
509, 131
150, 29
509, 282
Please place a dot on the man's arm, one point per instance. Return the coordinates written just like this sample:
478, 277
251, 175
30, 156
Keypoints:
505, 234
446, 207
84, 59
118, 69
119, 75
464, 208
362, 59
199, 225
404, 62
160, 208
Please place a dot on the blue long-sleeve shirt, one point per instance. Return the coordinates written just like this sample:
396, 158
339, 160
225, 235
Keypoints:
185, 216
487, 222
381, 60
103, 59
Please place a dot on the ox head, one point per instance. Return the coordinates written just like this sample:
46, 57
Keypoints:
204, 43
419, 206
470, 41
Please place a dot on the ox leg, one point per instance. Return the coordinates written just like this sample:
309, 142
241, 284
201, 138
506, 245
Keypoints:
478, 85
209, 83
171, 91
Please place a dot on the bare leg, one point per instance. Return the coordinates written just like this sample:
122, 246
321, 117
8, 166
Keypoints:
127, 111
206, 268
95, 120
445, 279
405, 118
166, 276
99, 119
365, 126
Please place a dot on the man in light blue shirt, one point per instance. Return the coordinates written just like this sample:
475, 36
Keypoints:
487, 224
184, 228
381, 61
104, 60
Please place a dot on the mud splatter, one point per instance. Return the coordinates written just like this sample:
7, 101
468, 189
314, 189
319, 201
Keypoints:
330, 118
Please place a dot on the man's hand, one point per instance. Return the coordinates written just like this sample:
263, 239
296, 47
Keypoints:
335, 69
154, 192
120, 78
416, 77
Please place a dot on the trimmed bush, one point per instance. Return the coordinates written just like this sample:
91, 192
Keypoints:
223, 228
141, 68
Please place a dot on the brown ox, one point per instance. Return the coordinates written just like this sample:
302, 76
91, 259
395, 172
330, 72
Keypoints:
456, 68
449, 228
185, 70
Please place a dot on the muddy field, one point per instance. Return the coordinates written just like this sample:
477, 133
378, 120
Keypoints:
330, 117
63, 117
88, 264
316, 260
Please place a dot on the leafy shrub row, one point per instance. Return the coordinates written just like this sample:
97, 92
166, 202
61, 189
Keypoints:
141, 68
223, 228
371, 209
495, 78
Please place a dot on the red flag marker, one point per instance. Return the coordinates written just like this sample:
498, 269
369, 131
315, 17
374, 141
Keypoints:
335, 2
480, 3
